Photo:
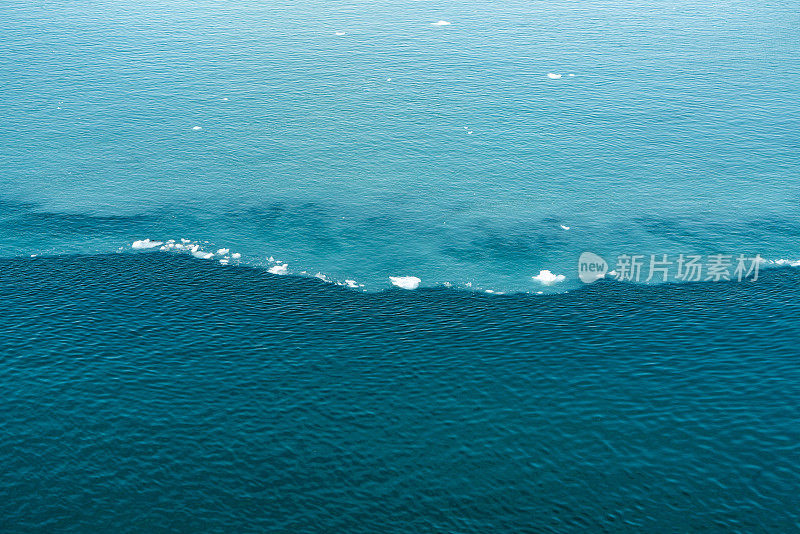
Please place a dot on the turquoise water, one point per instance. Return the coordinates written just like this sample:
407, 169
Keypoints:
197, 389
402, 148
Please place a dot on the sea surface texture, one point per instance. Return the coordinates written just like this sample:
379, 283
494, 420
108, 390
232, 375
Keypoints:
448, 141
205, 208
154, 393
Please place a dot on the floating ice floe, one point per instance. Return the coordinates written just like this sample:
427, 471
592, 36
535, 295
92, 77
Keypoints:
440, 23
280, 269
547, 278
564, 227
199, 254
146, 243
554, 76
405, 282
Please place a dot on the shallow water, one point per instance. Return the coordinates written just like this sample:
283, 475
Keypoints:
402, 148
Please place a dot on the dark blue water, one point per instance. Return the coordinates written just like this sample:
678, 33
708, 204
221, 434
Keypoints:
156, 393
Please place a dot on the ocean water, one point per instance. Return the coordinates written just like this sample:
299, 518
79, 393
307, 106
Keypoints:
402, 148
205, 206
158, 393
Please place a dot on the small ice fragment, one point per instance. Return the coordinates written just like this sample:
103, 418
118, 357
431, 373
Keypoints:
339, 34
564, 227
571, 75
199, 254
223, 251
224, 261
440, 23
236, 255
279, 269
405, 282
271, 259
553, 76
146, 243
197, 128
547, 278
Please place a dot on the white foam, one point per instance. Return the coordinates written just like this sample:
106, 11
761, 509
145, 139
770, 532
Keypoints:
280, 269
553, 76
223, 251
322, 277
224, 261
547, 278
352, 284
564, 227
440, 23
236, 256
146, 243
405, 282
791, 263
197, 128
